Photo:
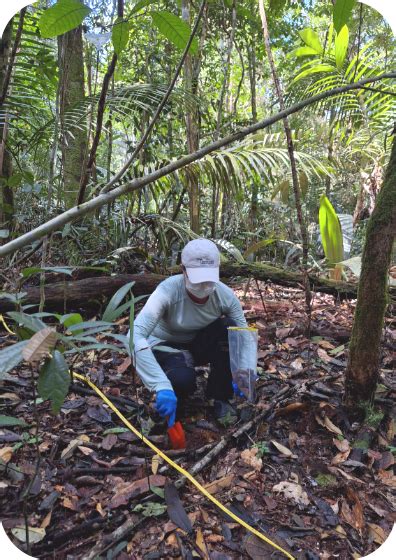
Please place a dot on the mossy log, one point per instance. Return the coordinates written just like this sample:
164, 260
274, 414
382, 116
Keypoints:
93, 293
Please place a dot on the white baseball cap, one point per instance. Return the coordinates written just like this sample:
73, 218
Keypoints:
202, 260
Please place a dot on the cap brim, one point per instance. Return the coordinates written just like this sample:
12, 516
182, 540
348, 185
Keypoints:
196, 275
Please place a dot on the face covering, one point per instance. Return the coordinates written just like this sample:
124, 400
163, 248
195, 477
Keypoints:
201, 289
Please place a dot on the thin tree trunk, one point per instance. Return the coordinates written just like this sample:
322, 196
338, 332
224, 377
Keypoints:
225, 207
290, 149
192, 128
137, 184
253, 106
73, 138
6, 198
362, 371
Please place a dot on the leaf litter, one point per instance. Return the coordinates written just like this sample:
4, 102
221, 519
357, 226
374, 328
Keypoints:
279, 476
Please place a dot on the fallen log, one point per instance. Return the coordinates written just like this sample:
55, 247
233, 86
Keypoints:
88, 293
93, 293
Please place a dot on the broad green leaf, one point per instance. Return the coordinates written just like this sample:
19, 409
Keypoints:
117, 298
117, 430
342, 12
284, 190
120, 35
97, 346
90, 324
174, 29
11, 421
27, 272
304, 51
54, 380
257, 246
15, 180
314, 70
341, 46
71, 319
31, 323
311, 39
140, 5
330, 231
303, 181
64, 16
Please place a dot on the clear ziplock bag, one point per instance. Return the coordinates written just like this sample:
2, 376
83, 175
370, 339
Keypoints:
242, 342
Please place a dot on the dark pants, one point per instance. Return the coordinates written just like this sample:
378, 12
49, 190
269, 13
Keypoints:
210, 346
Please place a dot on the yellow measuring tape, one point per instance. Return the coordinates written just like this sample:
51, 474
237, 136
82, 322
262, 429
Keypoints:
182, 471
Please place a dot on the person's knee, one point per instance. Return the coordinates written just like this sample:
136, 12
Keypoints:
183, 381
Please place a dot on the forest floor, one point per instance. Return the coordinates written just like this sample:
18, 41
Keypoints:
315, 481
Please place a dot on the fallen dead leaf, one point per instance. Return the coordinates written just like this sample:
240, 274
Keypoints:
341, 445
219, 484
99, 509
297, 364
109, 441
124, 365
284, 450
85, 450
323, 355
377, 533
135, 489
46, 521
36, 534
200, 542
214, 538
249, 457
332, 427
292, 491
155, 463
6, 454
69, 450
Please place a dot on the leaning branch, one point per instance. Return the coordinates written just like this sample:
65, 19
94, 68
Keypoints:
78, 211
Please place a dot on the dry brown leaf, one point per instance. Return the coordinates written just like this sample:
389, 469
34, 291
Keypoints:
219, 484
124, 366
387, 478
155, 463
341, 531
249, 457
46, 521
340, 457
70, 503
292, 491
297, 364
36, 534
377, 533
200, 542
69, 450
135, 489
326, 344
341, 445
336, 470
39, 345
10, 396
284, 450
99, 509
85, 450
6, 453
332, 427
323, 355
214, 538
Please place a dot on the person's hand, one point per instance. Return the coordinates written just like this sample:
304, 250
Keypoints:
166, 405
237, 391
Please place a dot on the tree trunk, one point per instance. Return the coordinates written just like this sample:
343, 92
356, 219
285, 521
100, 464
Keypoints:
290, 149
364, 351
192, 128
6, 211
73, 138
253, 105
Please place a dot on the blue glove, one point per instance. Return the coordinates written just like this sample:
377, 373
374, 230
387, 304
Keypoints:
166, 405
237, 391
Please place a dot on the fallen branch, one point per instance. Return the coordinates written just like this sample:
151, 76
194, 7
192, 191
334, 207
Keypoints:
108, 541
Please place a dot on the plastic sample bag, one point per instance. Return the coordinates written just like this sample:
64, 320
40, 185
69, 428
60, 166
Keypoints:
242, 342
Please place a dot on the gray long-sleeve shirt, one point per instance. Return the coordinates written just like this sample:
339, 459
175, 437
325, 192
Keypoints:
170, 315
